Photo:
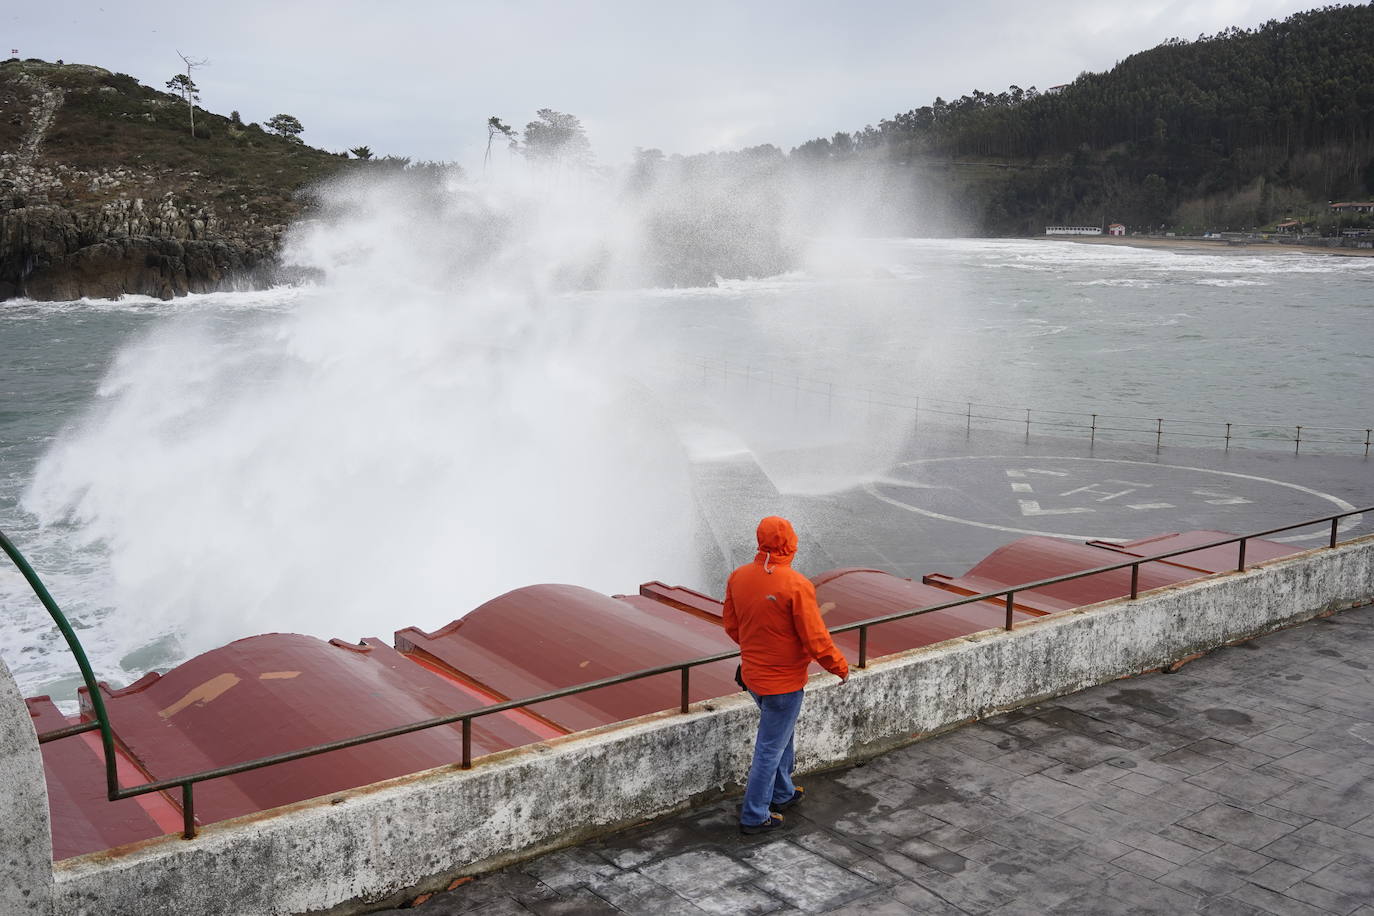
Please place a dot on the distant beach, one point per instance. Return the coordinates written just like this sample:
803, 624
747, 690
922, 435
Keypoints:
1210, 246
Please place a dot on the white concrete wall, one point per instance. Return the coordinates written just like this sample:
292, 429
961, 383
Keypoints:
421, 831
26, 879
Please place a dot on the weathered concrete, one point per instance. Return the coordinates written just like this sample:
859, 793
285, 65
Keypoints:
420, 831
1240, 786
26, 878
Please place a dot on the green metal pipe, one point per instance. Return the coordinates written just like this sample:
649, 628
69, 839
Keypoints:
97, 701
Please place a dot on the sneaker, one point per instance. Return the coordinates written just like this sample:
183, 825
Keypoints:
773, 823
797, 796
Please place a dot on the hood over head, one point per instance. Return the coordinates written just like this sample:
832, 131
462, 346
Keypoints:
776, 537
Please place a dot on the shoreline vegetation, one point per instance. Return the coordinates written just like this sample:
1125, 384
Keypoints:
1208, 246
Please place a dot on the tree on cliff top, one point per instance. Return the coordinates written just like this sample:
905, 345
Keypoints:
184, 86
285, 125
496, 126
557, 139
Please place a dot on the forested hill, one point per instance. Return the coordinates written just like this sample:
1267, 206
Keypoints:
1230, 130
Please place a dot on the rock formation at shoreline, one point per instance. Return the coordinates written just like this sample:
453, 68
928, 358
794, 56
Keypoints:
179, 214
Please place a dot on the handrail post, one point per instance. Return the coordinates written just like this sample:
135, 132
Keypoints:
1092, 436
1366, 441
188, 812
74, 644
1297, 443
1027, 424
686, 685
1009, 609
863, 647
467, 744
1228, 437
1159, 432
1240, 566
1334, 522
1135, 580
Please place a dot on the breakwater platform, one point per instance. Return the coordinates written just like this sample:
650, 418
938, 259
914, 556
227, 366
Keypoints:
951, 541
1242, 784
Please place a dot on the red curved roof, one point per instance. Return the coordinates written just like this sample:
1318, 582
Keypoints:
280, 692
1207, 560
861, 594
1030, 559
545, 637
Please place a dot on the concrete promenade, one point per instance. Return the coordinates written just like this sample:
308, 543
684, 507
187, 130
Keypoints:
1239, 785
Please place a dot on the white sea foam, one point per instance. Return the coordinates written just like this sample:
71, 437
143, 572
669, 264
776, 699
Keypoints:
431, 426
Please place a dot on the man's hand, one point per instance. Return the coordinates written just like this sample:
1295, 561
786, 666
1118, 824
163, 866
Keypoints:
844, 678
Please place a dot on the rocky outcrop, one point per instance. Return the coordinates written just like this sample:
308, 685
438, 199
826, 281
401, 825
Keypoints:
52, 252
71, 233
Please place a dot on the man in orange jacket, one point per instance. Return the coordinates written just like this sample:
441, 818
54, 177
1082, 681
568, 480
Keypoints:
770, 610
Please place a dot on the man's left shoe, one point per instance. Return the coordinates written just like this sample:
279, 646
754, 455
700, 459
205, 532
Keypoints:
797, 796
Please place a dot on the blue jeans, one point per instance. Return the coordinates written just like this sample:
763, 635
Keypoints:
770, 775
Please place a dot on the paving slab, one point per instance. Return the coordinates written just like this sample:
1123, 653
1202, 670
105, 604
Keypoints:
1204, 791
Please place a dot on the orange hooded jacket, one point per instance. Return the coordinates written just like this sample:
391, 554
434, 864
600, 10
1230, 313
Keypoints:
770, 610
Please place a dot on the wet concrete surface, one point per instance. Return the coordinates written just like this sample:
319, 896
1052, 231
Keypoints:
1240, 785
949, 498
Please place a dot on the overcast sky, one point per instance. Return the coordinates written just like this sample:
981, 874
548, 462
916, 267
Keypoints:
420, 78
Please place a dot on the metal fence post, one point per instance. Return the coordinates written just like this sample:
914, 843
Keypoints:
968, 427
1027, 424
1159, 432
1297, 443
1009, 608
1092, 436
1228, 437
1334, 523
188, 812
863, 647
686, 685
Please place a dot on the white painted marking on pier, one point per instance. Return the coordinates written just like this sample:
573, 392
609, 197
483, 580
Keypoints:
1149, 505
1022, 472
1021, 488
1221, 498
1032, 508
1350, 523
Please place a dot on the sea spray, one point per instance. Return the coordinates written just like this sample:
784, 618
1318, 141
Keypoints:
432, 425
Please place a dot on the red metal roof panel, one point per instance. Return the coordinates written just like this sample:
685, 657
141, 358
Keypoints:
1036, 557
1208, 560
545, 637
851, 595
83, 818
281, 692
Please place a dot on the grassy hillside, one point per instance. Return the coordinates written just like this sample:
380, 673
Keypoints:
109, 120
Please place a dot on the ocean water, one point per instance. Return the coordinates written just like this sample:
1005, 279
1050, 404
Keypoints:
395, 447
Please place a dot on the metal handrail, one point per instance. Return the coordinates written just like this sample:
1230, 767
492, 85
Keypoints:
97, 701
186, 782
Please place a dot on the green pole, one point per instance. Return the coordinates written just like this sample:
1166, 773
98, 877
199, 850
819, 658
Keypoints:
97, 701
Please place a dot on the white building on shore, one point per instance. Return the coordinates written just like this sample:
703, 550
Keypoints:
1073, 230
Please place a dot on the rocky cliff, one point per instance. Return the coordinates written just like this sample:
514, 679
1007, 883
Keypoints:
105, 192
